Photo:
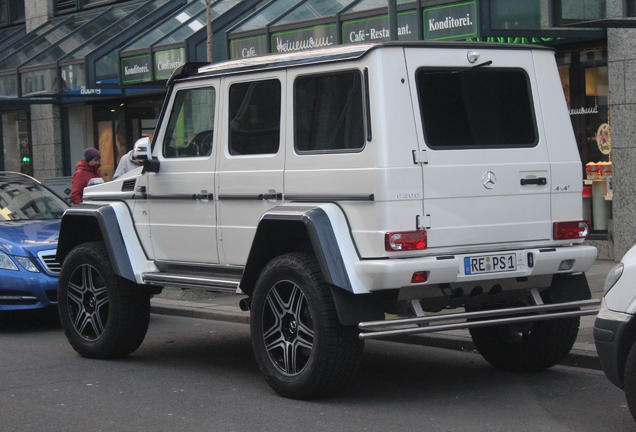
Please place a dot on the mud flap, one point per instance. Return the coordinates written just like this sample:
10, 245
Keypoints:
353, 309
567, 288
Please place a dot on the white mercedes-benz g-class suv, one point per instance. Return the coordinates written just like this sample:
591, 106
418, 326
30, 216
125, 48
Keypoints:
337, 188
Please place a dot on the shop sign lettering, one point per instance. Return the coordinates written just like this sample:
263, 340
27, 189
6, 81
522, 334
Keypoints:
377, 29
167, 62
449, 22
300, 40
89, 91
583, 111
515, 40
136, 69
248, 47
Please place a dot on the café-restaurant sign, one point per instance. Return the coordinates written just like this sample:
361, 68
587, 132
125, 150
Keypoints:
376, 29
451, 22
300, 40
248, 47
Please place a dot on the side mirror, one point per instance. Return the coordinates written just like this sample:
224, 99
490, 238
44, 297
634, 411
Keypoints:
151, 165
141, 149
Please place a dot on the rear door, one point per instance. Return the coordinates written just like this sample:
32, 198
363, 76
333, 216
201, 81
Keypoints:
250, 175
487, 176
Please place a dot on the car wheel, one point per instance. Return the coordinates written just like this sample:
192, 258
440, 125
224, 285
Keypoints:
526, 347
299, 344
98, 319
629, 381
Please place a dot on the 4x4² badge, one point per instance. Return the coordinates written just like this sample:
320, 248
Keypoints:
489, 180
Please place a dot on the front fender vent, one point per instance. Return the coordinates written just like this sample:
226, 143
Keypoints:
128, 185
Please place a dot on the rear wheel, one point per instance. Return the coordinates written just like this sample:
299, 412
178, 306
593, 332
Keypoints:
526, 347
98, 319
299, 344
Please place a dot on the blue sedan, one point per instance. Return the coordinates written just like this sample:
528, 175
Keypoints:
29, 227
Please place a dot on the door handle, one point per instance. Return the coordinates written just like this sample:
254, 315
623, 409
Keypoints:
271, 196
203, 195
534, 181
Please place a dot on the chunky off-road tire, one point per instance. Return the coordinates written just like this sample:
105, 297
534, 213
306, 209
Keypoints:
526, 347
629, 381
98, 319
298, 342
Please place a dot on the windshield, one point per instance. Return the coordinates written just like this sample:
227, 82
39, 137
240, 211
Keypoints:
21, 198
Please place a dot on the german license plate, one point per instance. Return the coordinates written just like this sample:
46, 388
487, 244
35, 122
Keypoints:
490, 263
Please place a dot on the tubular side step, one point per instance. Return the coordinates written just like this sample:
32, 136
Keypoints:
407, 326
195, 282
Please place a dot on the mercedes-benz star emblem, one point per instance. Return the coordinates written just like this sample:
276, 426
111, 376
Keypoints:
489, 180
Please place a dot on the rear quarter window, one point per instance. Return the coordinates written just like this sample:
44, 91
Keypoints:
329, 113
476, 108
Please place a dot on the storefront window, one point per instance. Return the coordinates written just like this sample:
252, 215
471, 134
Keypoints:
118, 125
16, 143
507, 15
11, 12
584, 76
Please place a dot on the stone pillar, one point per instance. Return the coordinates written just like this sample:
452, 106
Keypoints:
622, 102
46, 141
37, 12
46, 126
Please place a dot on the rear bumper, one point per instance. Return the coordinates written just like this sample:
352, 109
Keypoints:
397, 273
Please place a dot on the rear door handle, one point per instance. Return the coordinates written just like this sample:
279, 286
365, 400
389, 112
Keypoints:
271, 196
203, 195
534, 181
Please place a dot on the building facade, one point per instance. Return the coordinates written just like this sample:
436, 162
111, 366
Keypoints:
92, 73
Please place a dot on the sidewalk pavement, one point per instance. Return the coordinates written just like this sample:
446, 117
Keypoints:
225, 307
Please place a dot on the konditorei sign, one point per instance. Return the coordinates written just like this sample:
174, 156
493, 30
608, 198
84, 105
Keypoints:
136, 69
451, 22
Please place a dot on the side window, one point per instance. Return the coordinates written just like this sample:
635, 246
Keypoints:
255, 117
191, 127
328, 112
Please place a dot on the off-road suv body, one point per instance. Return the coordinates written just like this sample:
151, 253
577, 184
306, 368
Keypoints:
336, 186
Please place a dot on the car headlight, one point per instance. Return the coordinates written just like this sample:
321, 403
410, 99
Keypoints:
27, 264
613, 276
6, 262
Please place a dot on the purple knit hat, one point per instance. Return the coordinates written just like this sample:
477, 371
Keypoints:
90, 154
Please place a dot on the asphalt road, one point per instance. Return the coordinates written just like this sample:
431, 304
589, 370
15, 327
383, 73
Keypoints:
200, 375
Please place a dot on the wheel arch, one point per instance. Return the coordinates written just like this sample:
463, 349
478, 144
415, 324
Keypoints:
311, 230
294, 229
627, 339
86, 223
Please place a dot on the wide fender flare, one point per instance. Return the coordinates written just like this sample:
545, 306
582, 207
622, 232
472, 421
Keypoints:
110, 223
322, 228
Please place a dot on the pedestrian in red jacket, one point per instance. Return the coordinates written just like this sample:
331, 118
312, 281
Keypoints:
86, 169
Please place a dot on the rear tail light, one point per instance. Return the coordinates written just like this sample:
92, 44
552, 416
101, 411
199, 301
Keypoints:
571, 230
405, 241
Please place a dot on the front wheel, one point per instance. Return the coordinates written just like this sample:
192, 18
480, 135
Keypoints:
526, 347
299, 344
629, 381
98, 320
